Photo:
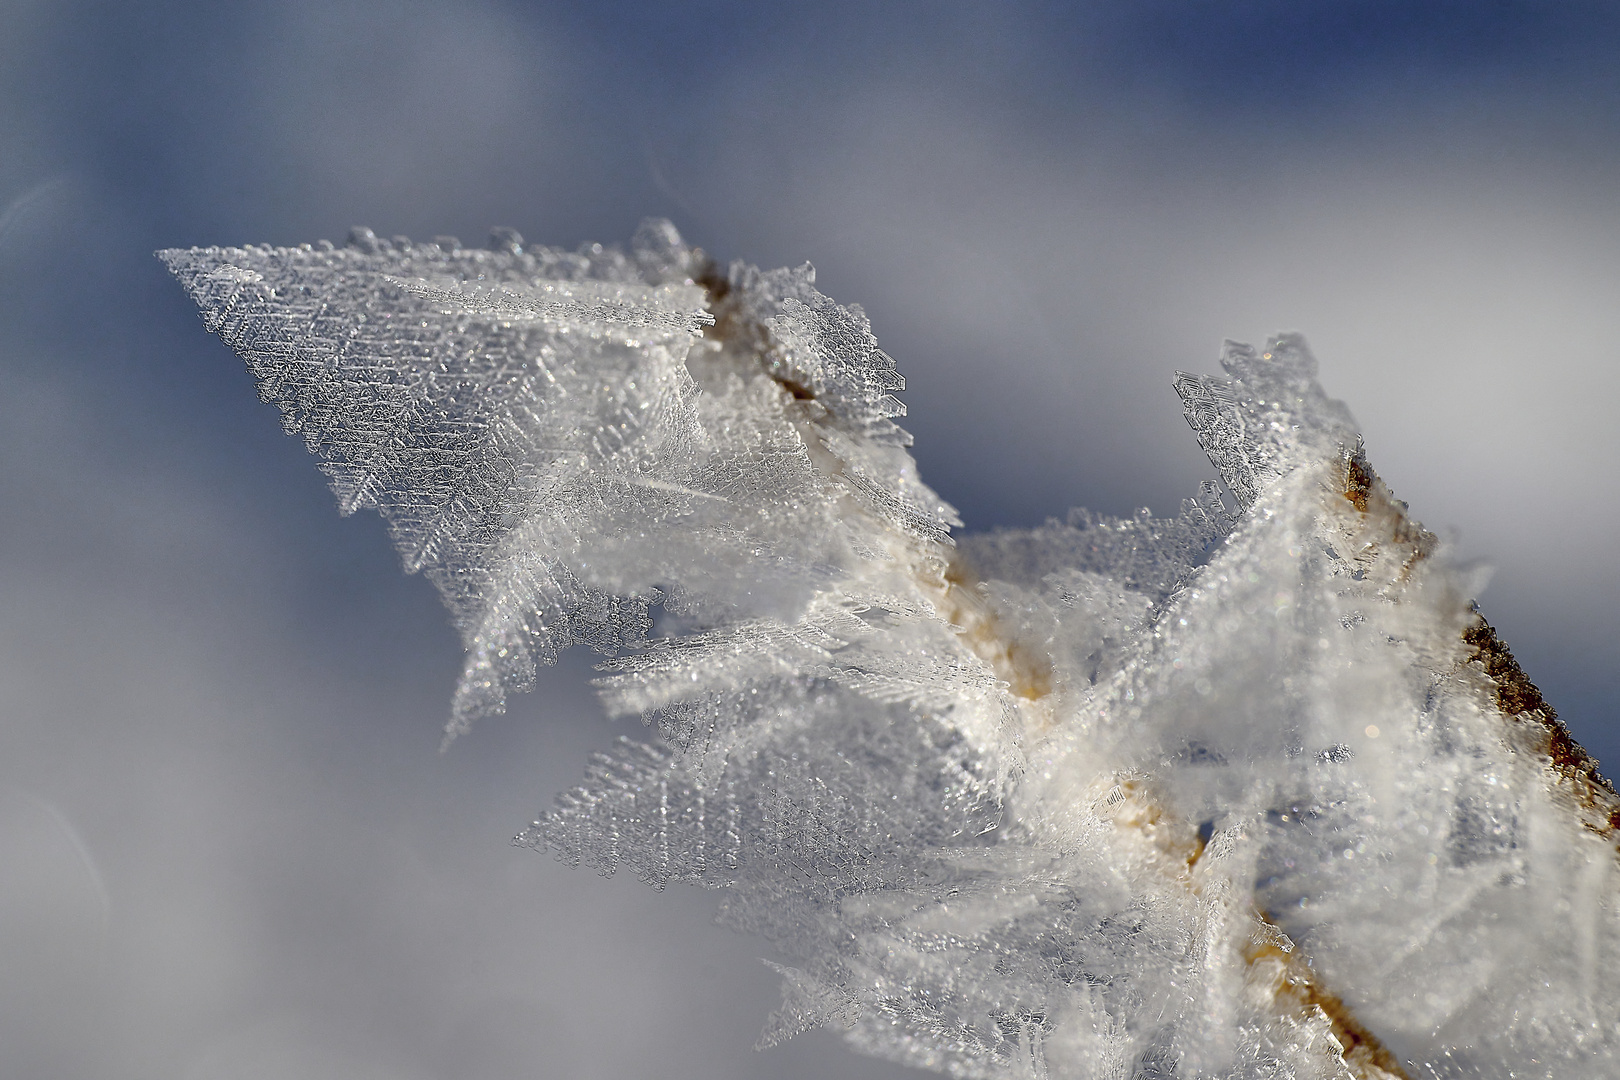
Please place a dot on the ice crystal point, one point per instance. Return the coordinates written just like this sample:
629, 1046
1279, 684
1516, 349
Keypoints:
1252, 791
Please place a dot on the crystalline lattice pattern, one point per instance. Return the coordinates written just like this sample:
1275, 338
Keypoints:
1252, 791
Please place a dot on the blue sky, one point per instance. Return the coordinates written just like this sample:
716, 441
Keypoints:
222, 700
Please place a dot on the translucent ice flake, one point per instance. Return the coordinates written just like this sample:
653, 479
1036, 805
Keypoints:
1251, 792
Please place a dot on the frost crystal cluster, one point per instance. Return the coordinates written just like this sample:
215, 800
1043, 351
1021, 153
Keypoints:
1252, 792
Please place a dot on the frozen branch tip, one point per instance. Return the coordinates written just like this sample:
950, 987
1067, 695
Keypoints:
1249, 792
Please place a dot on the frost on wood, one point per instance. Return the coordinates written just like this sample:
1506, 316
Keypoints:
1253, 791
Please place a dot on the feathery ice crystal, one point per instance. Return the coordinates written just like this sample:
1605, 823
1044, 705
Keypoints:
1249, 792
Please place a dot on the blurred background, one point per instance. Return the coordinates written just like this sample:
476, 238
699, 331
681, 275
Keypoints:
227, 846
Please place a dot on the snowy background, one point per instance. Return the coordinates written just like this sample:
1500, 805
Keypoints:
227, 847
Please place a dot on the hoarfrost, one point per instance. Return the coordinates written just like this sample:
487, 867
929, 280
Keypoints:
1253, 791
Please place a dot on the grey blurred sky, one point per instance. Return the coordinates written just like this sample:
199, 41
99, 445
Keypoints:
227, 848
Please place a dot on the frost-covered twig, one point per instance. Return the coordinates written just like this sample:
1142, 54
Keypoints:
1253, 791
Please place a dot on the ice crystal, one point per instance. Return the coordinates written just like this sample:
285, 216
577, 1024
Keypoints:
1253, 791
